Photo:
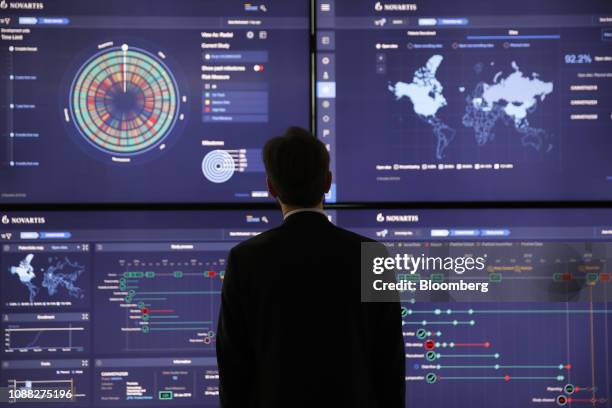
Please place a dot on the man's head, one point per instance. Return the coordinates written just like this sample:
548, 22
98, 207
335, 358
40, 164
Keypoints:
297, 166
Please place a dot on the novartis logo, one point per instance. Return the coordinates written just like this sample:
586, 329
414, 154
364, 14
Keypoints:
22, 220
378, 6
380, 217
21, 5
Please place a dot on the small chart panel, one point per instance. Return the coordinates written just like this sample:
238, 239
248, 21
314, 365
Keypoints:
158, 296
53, 333
67, 378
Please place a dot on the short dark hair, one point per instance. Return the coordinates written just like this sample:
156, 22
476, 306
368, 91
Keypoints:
297, 165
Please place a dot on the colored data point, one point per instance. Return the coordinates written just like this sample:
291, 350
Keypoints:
144, 310
141, 305
404, 312
506, 378
430, 344
568, 366
561, 400
486, 344
569, 389
431, 378
421, 333
430, 356
145, 329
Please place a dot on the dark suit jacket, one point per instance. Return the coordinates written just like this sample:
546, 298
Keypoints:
293, 331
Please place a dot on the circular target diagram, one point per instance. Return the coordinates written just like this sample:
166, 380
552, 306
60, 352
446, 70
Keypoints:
218, 166
124, 101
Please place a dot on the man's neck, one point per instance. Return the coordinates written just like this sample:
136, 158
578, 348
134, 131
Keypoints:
288, 208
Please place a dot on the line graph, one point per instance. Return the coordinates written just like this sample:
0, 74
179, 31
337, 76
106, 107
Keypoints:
45, 333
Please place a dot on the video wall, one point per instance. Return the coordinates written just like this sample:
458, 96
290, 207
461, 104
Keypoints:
107, 107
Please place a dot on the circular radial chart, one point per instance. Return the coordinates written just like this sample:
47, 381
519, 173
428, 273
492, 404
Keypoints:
218, 166
124, 101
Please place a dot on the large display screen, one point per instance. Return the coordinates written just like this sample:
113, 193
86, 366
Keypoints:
140, 101
466, 100
540, 336
121, 307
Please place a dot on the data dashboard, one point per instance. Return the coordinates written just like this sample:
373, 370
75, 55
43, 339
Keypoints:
539, 337
147, 101
121, 308
465, 101
118, 309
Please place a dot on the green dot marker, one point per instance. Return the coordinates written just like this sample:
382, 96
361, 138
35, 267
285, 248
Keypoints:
430, 356
421, 333
431, 378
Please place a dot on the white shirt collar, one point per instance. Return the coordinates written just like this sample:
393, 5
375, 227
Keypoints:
299, 210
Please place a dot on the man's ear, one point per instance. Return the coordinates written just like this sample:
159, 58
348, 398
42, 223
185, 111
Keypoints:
271, 188
328, 182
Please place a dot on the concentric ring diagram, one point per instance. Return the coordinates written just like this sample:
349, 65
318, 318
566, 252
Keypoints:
124, 101
218, 166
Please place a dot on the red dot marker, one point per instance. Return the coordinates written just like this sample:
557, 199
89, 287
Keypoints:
506, 378
487, 344
568, 366
430, 344
145, 311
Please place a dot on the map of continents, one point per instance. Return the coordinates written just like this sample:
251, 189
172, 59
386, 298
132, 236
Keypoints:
425, 93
